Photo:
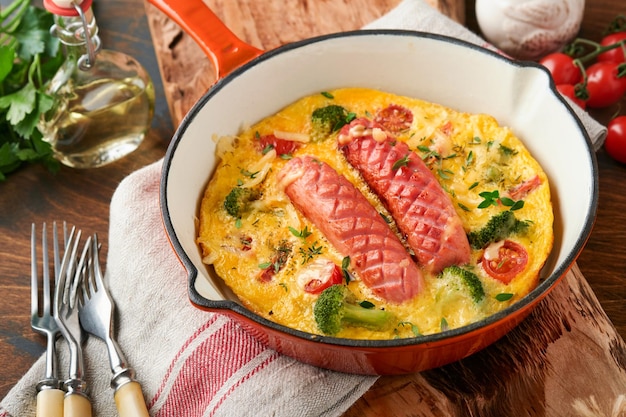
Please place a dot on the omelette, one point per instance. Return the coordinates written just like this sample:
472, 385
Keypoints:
436, 217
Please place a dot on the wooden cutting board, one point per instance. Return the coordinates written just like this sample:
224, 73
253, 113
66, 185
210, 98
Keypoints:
566, 359
187, 72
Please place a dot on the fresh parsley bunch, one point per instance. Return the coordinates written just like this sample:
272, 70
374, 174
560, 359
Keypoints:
28, 59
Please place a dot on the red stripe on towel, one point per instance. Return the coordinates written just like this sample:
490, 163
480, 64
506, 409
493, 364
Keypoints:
249, 375
180, 353
204, 373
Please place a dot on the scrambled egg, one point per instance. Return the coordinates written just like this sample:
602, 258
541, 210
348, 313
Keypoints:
261, 254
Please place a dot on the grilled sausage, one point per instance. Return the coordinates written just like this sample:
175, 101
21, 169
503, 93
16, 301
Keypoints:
353, 226
421, 208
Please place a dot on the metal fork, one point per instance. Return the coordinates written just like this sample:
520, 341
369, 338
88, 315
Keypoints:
96, 317
76, 403
49, 389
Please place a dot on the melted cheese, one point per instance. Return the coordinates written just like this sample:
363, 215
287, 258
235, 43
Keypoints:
463, 150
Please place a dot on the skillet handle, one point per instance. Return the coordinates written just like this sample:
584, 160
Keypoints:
225, 50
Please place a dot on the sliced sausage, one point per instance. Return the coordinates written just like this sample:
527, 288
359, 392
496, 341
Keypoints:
421, 208
353, 226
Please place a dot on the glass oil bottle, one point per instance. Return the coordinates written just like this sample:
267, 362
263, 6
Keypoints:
103, 99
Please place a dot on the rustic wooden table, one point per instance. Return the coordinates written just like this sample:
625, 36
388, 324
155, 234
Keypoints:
577, 352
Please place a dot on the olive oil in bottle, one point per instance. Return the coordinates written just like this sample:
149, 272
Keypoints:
103, 101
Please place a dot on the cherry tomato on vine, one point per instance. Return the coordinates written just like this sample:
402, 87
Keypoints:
615, 144
613, 55
569, 91
562, 68
604, 86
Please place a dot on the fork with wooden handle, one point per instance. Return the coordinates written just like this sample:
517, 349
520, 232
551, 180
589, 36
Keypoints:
76, 402
96, 318
49, 390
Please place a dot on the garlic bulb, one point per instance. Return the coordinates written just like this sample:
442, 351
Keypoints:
529, 29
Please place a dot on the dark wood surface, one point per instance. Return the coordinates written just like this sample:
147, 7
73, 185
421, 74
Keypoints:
78, 196
82, 197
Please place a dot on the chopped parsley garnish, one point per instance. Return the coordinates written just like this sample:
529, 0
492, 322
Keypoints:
512, 204
414, 329
504, 296
505, 150
280, 258
445, 174
345, 264
429, 154
469, 159
249, 174
444, 324
492, 198
302, 234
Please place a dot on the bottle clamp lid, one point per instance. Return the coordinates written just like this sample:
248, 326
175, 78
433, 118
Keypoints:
66, 7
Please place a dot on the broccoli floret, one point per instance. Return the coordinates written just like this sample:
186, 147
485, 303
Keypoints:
469, 279
336, 308
497, 228
329, 119
238, 199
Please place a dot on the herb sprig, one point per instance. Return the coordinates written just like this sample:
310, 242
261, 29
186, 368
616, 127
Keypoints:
493, 198
28, 59
311, 251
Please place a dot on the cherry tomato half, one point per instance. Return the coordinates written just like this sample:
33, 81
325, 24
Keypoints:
615, 144
319, 275
569, 91
394, 118
604, 86
504, 260
616, 54
282, 146
562, 68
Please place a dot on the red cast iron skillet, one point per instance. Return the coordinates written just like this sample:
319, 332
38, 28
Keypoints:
522, 92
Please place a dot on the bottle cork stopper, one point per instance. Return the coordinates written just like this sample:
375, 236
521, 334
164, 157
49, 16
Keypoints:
66, 7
